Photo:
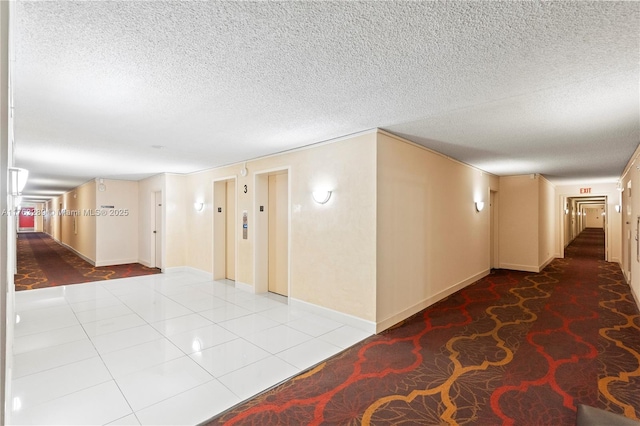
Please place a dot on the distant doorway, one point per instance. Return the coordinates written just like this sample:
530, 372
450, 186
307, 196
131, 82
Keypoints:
26, 219
580, 213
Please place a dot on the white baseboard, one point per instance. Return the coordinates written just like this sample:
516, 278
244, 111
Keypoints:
635, 297
115, 262
174, 269
516, 267
145, 263
359, 323
245, 287
406, 313
190, 270
92, 262
545, 264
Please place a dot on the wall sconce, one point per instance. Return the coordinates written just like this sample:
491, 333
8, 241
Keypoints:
198, 206
17, 180
566, 211
321, 196
479, 206
618, 208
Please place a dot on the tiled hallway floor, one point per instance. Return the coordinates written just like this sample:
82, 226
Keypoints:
161, 349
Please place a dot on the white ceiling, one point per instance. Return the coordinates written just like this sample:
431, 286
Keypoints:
512, 88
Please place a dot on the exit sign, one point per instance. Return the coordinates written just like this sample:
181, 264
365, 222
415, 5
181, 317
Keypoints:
585, 190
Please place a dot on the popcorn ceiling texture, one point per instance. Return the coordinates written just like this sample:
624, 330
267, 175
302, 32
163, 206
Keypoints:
513, 88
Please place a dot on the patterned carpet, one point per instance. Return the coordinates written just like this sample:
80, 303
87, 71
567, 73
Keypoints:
514, 348
42, 262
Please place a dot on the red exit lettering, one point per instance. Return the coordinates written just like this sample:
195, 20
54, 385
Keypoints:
585, 190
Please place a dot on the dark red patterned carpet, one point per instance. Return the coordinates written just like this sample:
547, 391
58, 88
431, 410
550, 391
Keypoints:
514, 348
42, 262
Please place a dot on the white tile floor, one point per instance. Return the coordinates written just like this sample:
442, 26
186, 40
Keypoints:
162, 349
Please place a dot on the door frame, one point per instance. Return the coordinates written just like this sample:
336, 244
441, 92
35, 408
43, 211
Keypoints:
261, 242
153, 238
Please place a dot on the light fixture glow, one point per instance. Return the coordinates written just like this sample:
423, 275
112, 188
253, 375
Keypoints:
17, 180
196, 345
321, 196
618, 208
479, 206
566, 211
17, 403
198, 206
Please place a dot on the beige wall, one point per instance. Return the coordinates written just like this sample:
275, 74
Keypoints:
519, 228
39, 219
332, 246
87, 224
52, 219
117, 227
379, 249
77, 225
548, 211
594, 218
430, 239
177, 246
629, 198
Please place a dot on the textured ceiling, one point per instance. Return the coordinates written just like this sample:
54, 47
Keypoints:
513, 88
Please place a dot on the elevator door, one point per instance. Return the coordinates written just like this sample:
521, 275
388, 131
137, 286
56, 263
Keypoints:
230, 231
278, 245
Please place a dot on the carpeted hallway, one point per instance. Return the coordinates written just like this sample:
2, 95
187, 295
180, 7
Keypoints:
515, 348
42, 262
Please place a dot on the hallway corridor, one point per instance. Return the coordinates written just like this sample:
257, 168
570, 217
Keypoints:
512, 348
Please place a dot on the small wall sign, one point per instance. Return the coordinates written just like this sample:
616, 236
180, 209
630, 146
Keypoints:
585, 190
